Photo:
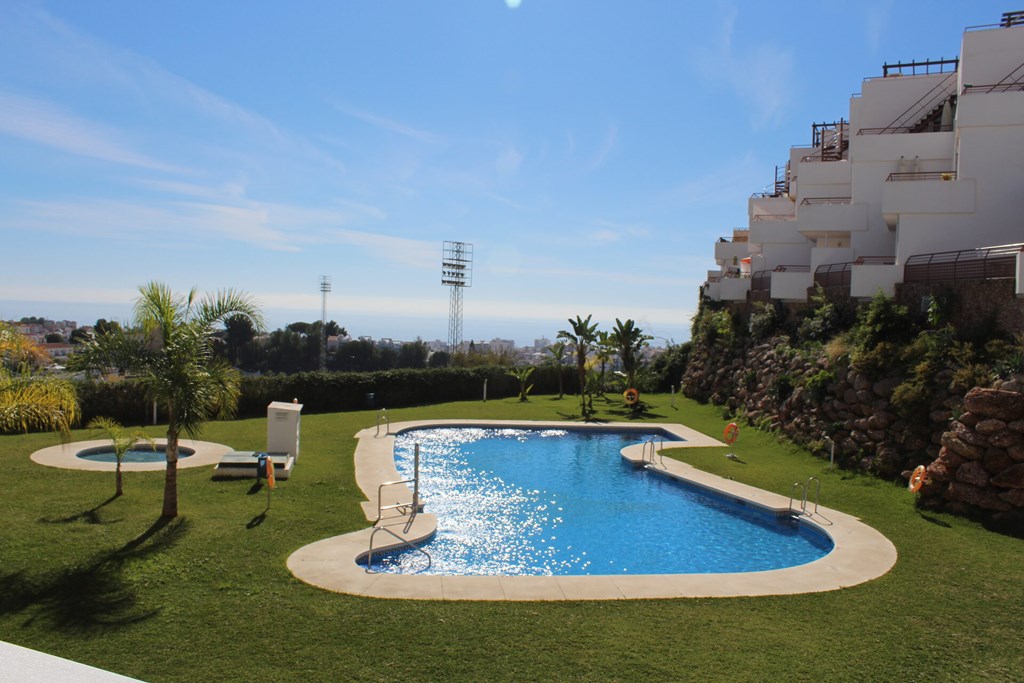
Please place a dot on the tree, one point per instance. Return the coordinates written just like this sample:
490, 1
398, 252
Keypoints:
239, 331
79, 335
30, 401
523, 375
102, 326
413, 354
629, 340
177, 366
121, 441
438, 359
54, 338
579, 341
557, 351
604, 348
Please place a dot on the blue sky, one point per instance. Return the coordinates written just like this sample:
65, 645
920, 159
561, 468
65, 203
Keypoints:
591, 151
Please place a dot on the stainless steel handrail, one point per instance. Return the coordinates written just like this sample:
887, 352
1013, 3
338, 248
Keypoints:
382, 416
404, 541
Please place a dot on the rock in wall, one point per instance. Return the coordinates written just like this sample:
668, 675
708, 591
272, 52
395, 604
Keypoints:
980, 467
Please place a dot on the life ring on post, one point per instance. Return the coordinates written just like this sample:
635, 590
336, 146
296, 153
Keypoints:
731, 433
632, 396
916, 479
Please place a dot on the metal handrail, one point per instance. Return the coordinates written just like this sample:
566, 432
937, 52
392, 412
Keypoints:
775, 217
810, 201
817, 493
792, 269
920, 175
382, 416
908, 119
654, 451
404, 541
792, 496
1006, 84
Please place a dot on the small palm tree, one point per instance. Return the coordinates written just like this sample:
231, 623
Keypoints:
523, 375
557, 351
629, 340
122, 441
29, 400
579, 341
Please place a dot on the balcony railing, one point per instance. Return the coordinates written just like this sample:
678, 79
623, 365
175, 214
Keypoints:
761, 281
987, 263
792, 269
775, 217
921, 175
839, 274
811, 201
915, 68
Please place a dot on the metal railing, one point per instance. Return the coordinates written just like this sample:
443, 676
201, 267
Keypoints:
1010, 82
833, 275
761, 281
382, 418
655, 451
929, 66
803, 499
986, 263
773, 216
792, 269
920, 175
910, 118
811, 201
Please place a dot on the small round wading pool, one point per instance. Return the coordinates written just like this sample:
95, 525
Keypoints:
157, 453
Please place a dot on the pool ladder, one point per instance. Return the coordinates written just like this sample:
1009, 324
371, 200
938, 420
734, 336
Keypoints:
655, 451
803, 502
382, 418
410, 509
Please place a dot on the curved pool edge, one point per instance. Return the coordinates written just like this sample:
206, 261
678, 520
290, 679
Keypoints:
65, 456
860, 554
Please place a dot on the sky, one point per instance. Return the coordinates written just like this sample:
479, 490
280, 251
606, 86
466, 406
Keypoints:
591, 151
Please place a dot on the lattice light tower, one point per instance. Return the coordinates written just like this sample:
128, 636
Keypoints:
325, 287
457, 273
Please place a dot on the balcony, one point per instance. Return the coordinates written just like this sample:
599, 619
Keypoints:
791, 282
936, 192
988, 263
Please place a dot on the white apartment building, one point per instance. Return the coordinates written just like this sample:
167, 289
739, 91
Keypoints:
925, 179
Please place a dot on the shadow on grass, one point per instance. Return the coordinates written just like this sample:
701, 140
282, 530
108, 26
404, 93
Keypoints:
89, 598
90, 516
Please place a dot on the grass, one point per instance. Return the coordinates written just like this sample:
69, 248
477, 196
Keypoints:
208, 597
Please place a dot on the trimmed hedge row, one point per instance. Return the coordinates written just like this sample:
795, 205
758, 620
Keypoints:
328, 392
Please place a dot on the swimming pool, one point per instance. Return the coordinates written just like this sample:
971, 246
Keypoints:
157, 453
521, 502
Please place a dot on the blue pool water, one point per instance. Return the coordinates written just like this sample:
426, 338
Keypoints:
563, 502
138, 454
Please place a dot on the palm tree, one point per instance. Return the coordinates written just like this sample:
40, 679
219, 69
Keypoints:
579, 341
523, 375
121, 441
557, 351
628, 340
28, 400
177, 365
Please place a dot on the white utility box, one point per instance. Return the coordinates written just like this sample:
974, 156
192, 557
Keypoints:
283, 421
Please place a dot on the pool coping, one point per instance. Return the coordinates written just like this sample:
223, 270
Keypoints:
860, 554
65, 456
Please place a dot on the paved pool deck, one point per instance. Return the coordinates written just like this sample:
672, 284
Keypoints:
65, 456
860, 554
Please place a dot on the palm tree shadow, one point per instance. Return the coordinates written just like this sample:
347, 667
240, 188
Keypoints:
90, 516
91, 598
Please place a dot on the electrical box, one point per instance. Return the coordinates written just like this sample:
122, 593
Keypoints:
283, 422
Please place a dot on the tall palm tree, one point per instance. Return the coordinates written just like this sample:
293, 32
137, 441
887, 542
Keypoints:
579, 341
177, 365
628, 340
29, 400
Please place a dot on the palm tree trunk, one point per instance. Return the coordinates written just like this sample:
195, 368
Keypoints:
171, 478
117, 478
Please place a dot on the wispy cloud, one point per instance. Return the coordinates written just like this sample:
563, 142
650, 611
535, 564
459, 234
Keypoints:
509, 160
390, 125
608, 143
876, 19
47, 124
760, 73
720, 185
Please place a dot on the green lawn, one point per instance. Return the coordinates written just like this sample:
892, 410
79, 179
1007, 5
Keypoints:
208, 597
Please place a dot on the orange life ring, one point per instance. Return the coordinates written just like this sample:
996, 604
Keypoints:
631, 396
916, 479
731, 433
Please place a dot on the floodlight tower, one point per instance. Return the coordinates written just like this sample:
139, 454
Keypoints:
457, 273
325, 287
